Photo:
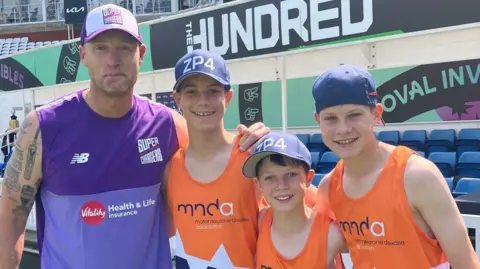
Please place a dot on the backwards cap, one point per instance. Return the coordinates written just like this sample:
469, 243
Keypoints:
202, 62
344, 84
277, 143
109, 17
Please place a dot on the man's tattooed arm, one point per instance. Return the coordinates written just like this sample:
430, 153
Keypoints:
21, 183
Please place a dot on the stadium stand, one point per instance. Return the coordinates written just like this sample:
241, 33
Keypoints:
456, 156
10, 46
32, 14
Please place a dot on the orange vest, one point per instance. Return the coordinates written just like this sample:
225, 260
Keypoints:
216, 222
379, 227
313, 255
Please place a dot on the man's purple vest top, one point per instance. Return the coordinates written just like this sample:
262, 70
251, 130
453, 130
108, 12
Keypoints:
99, 204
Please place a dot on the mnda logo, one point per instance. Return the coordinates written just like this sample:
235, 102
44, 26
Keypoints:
225, 209
376, 228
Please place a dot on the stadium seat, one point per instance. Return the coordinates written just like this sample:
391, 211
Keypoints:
449, 183
466, 185
468, 140
316, 143
441, 140
3, 166
316, 179
315, 158
414, 139
389, 137
468, 165
327, 162
305, 138
445, 161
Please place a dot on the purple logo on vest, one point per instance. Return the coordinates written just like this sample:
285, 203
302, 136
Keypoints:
149, 150
112, 16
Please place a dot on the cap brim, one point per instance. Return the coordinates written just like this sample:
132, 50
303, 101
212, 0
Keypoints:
251, 163
184, 77
112, 27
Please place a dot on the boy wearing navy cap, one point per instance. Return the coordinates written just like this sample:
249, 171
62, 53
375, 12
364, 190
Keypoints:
291, 235
213, 207
394, 207
209, 199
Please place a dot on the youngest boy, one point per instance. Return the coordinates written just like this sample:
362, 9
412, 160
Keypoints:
291, 235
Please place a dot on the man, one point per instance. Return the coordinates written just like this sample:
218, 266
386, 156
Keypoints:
394, 207
98, 155
215, 221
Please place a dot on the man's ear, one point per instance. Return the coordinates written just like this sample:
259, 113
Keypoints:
82, 55
143, 49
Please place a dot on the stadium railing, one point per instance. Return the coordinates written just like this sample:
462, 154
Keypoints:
42, 11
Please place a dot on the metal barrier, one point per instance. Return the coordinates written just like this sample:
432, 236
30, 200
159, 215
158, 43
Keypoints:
471, 221
9, 143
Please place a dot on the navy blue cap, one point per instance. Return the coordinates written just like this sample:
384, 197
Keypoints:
344, 84
277, 143
202, 62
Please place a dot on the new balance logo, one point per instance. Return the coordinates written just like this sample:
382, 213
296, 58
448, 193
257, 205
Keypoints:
80, 158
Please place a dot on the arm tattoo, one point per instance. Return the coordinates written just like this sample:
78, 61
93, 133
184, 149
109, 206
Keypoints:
23, 129
32, 152
12, 175
27, 198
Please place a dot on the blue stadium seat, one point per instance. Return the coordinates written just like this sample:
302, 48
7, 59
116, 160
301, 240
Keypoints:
466, 185
305, 138
315, 158
3, 166
441, 140
316, 144
449, 183
445, 161
421, 153
414, 139
316, 180
468, 165
327, 162
468, 140
389, 137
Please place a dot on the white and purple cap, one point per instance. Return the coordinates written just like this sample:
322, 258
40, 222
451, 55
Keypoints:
202, 62
277, 143
109, 17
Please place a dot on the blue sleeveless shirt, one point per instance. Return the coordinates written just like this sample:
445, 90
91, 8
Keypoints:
99, 205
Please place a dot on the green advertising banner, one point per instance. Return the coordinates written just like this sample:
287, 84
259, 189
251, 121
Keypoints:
434, 92
425, 93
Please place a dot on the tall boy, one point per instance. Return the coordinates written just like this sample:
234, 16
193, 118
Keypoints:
394, 207
214, 208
